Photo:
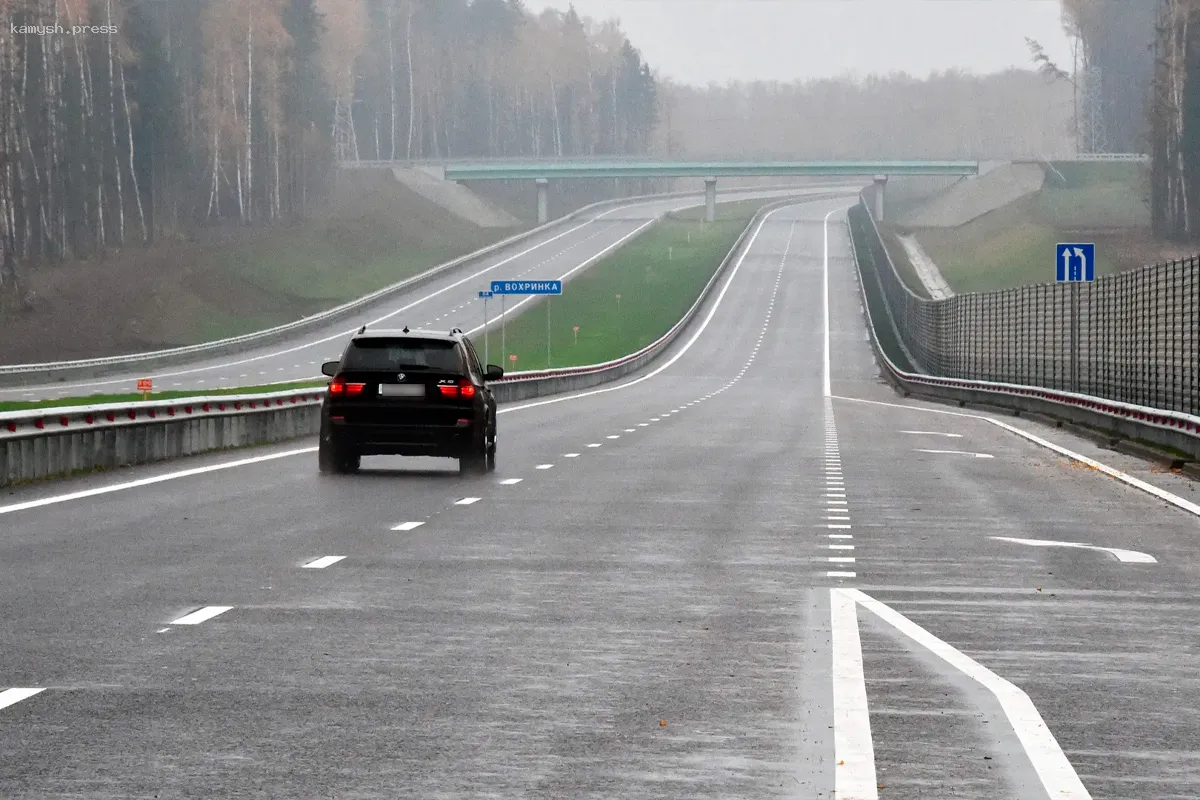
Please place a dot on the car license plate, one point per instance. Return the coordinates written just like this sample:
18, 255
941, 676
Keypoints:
402, 390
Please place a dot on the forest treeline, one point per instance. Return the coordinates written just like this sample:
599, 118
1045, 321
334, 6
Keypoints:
950, 115
157, 115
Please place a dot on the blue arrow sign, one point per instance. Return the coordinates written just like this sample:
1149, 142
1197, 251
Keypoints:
1075, 263
485, 295
526, 287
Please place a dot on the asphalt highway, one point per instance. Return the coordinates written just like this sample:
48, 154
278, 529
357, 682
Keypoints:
451, 301
751, 571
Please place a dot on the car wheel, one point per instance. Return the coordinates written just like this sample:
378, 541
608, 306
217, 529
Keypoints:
490, 458
332, 459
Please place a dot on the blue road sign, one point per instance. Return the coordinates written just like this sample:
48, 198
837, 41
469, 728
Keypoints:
526, 287
485, 295
1075, 263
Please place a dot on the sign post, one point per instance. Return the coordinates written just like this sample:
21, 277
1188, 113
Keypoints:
485, 296
145, 386
1075, 264
504, 288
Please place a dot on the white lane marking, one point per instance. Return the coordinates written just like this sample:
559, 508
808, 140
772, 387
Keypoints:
570, 455
12, 696
1051, 764
837, 574
956, 453
655, 419
615, 436
323, 562
840, 536
1161, 494
408, 526
841, 560
841, 547
825, 304
170, 476
466, 501
511, 481
935, 433
196, 617
594, 444
1128, 556
631, 430
545, 466
838, 519
853, 750
833, 526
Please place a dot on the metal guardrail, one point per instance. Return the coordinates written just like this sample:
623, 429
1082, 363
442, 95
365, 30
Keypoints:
43, 422
1133, 337
1013, 342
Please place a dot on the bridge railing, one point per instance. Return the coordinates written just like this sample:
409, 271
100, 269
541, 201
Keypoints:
1133, 337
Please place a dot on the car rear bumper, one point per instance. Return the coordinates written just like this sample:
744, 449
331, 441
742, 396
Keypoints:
407, 440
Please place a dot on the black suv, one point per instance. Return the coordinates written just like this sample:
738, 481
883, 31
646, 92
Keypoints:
408, 393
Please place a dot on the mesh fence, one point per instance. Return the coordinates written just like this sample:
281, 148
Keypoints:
1133, 337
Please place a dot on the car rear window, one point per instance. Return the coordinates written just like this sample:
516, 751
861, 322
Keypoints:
390, 355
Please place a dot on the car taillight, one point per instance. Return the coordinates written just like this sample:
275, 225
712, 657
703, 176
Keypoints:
464, 389
340, 387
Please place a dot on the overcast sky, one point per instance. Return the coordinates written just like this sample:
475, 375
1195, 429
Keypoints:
698, 41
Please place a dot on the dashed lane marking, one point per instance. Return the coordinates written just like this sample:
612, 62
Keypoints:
955, 453
511, 481
594, 444
203, 614
1128, 556
466, 501
13, 696
408, 526
545, 466
323, 562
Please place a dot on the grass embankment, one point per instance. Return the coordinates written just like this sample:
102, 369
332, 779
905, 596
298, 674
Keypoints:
659, 275
98, 399
1015, 245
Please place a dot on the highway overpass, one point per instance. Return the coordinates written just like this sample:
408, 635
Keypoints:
543, 171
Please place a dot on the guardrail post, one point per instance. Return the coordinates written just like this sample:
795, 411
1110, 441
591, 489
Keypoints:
543, 200
1074, 337
710, 199
880, 186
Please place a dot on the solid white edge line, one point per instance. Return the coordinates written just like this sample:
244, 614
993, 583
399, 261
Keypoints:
1049, 761
196, 617
853, 750
1161, 494
825, 303
12, 696
323, 562
117, 487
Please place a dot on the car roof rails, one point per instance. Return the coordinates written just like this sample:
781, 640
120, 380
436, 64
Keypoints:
455, 330
405, 329
363, 329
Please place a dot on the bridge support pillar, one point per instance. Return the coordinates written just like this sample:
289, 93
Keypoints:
543, 200
880, 188
710, 199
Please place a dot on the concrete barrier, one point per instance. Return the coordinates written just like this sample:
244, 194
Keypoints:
51, 442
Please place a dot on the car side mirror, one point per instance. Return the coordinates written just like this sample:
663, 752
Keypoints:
330, 368
493, 373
